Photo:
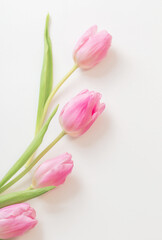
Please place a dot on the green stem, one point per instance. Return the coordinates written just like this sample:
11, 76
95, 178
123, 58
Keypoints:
28, 152
30, 187
52, 95
47, 106
24, 172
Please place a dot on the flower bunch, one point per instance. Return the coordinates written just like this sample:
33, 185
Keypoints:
76, 117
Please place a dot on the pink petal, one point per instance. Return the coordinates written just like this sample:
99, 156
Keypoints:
90, 32
94, 50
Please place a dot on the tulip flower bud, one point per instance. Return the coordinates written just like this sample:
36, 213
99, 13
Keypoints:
80, 112
91, 48
16, 220
53, 172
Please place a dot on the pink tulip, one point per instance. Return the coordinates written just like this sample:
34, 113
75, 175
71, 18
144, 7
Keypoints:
16, 219
91, 48
80, 112
53, 172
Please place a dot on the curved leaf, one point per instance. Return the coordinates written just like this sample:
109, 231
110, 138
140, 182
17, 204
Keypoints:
23, 196
29, 151
46, 81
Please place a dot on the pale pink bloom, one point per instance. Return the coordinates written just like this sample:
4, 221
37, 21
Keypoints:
53, 172
91, 48
16, 219
80, 112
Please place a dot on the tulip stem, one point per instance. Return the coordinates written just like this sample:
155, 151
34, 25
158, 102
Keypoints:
52, 95
25, 171
30, 187
48, 103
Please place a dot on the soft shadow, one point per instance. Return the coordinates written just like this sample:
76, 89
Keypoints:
95, 133
55, 199
104, 67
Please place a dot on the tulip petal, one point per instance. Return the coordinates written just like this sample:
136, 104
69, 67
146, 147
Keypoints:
89, 33
16, 219
53, 172
80, 112
94, 50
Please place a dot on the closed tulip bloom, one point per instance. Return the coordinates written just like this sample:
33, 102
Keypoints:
80, 112
16, 219
53, 172
91, 48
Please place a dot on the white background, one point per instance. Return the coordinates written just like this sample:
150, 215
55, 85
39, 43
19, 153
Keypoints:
115, 189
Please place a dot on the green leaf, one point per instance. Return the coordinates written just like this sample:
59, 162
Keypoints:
23, 196
46, 81
29, 151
